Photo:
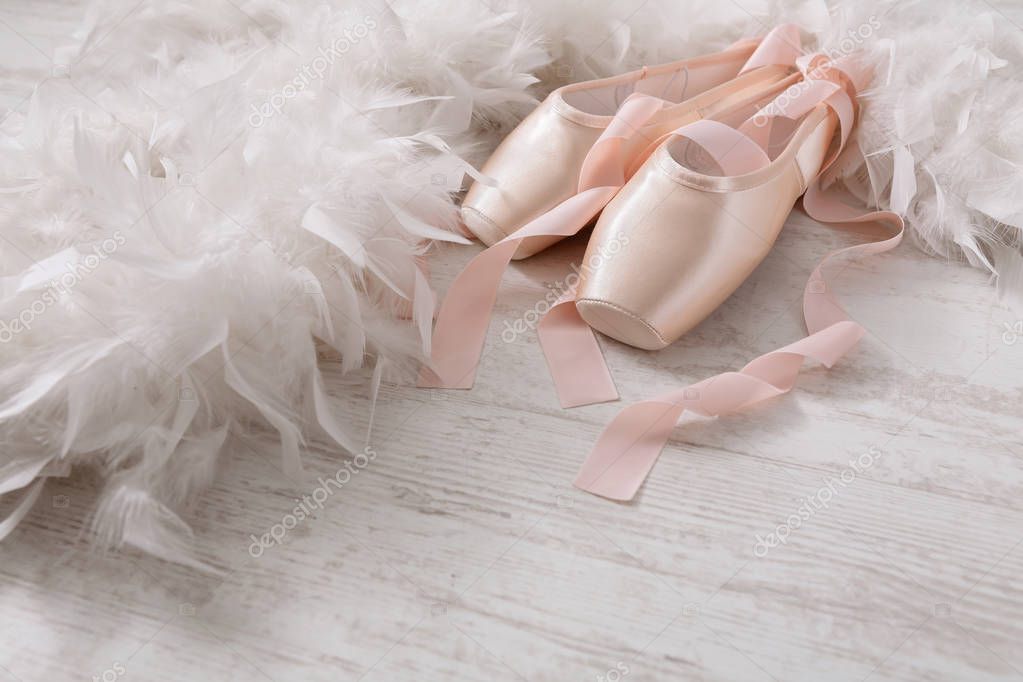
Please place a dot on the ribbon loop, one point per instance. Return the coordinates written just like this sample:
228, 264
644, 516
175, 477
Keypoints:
780, 47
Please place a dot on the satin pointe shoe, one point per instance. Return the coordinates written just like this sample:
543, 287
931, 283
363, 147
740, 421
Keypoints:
702, 212
537, 165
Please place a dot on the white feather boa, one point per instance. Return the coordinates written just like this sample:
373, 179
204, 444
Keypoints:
209, 193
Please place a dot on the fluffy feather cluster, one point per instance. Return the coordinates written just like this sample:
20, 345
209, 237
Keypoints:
212, 200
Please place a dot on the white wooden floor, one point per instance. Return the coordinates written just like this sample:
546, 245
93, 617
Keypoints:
461, 552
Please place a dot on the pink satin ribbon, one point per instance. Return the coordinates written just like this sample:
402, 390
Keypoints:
781, 46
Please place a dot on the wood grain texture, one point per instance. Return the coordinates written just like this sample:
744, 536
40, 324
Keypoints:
463, 553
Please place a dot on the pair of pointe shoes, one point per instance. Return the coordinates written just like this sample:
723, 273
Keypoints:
712, 154
688, 171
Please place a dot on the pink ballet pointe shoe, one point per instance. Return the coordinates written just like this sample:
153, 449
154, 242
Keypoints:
537, 166
701, 213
